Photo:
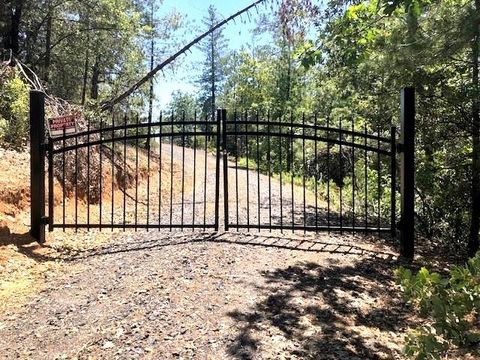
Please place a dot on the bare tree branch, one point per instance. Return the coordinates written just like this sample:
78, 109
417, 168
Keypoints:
110, 103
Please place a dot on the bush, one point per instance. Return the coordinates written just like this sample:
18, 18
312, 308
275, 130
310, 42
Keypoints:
450, 306
14, 109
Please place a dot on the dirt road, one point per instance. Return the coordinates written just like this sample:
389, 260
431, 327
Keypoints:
197, 295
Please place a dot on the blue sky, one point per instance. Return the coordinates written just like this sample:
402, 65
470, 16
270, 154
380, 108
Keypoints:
237, 34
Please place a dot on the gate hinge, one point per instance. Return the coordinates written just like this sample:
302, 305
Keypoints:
45, 220
400, 148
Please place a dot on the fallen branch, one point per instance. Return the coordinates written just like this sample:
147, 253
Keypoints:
106, 105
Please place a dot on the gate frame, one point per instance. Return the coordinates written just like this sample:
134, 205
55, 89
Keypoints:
406, 148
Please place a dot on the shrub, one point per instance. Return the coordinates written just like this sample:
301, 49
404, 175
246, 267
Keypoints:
450, 306
14, 108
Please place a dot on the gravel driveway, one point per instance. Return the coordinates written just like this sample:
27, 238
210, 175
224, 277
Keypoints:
200, 295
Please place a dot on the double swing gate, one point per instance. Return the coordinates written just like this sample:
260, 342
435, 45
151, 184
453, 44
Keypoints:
242, 171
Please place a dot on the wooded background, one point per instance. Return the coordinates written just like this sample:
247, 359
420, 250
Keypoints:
342, 60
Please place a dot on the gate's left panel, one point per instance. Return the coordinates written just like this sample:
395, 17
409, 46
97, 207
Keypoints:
125, 172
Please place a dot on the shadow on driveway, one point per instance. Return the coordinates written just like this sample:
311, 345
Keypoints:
318, 312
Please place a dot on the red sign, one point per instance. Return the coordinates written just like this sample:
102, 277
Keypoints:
62, 125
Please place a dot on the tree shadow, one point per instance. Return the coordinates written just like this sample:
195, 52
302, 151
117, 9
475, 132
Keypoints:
25, 244
261, 239
323, 312
7, 238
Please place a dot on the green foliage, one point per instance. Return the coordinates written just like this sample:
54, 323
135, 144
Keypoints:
212, 75
183, 103
14, 109
89, 49
451, 306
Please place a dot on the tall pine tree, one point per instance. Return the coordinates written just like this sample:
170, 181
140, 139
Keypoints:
213, 66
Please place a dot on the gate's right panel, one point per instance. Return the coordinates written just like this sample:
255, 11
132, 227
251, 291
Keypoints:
299, 173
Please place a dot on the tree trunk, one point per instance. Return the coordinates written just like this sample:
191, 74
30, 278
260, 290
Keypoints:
150, 95
13, 38
85, 76
4, 25
212, 49
95, 79
473, 241
48, 44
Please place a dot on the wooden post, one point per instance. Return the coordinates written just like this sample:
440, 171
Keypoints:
407, 173
37, 165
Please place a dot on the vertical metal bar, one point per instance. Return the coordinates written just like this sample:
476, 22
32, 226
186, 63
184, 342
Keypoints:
379, 178
148, 143
217, 169
248, 179
101, 175
269, 158
88, 174
137, 124
194, 167
366, 176
407, 173
207, 132
225, 168
50, 185
65, 183
315, 172
160, 141
290, 165
328, 175
113, 167
76, 184
236, 165
37, 165
341, 176
124, 171
171, 174
304, 182
258, 171
183, 168
353, 173
280, 160
393, 180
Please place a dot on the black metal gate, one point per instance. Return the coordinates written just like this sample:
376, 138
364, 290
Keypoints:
295, 174
158, 175
280, 172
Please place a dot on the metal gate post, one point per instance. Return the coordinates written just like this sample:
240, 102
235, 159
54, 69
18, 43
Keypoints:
407, 173
37, 165
225, 167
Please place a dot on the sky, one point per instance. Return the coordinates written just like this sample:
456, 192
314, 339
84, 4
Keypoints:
237, 34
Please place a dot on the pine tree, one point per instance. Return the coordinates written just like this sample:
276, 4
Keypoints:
213, 73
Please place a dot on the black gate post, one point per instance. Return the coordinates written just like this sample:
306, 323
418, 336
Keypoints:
37, 165
407, 173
